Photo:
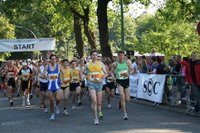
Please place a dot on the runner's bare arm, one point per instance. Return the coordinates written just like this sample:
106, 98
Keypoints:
61, 72
113, 67
131, 70
104, 70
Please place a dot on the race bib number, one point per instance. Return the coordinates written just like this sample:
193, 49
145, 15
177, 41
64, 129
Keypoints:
94, 76
75, 79
53, 76
123, 74
11, 75
66, 80
109, 79
25, 76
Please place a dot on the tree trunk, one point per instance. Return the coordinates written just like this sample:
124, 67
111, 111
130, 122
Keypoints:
103, 28
78, 36
88, 32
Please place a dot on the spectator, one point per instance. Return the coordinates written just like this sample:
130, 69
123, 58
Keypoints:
194, 70
144, 66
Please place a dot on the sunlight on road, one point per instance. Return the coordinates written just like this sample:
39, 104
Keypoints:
149, 131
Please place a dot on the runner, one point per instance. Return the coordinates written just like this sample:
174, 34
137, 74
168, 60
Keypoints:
82, 68
11, 73
43, 83
122, 68
31, 66
54, 82
75, 83
3, 78
110, 83
65, 76
18, 67
95, 69
25, 74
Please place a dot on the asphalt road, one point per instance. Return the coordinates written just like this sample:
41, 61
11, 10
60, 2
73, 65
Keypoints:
142, 119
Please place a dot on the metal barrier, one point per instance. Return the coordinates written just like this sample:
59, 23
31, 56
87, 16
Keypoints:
181, 93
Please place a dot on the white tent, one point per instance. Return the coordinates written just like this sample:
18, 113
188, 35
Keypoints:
137, 54
153, 54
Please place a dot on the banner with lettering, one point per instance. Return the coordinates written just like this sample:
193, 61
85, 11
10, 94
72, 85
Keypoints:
151, 87
133, 83
19, 45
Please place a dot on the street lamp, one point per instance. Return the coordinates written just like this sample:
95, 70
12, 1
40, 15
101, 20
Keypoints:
122, 24
42, 15
22, 27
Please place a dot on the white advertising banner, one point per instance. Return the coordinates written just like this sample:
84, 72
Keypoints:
19, 45
151, 87
134, 80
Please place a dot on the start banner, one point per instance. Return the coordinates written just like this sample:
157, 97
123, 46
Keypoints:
20, 45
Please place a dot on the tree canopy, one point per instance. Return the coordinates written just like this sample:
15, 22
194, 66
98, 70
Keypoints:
80, 26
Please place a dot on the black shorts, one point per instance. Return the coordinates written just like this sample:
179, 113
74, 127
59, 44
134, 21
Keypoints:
104, 87
63, 88
11, 82
25, 85
82, 84
73, 86
43, 86
123, 82
110, 85
3, 78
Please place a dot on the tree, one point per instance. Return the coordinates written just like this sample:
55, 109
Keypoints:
82, 10
7, 31
103, 28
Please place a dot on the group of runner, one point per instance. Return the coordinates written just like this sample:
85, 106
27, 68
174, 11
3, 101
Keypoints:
59, 79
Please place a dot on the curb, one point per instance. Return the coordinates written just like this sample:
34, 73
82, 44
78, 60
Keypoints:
167, 107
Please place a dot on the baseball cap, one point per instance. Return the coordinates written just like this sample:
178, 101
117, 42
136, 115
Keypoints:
29, 60
24, 64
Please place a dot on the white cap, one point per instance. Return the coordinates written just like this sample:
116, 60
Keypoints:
24, 64
115, 54
100, 55
29, 60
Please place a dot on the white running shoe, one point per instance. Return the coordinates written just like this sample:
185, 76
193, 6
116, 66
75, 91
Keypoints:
125, 116
45, 110
96, 122
73, 107
57, 110
65, 112
23, 104
52, 118
109, 106
28, 102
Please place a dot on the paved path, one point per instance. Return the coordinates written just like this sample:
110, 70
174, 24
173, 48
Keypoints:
142, 119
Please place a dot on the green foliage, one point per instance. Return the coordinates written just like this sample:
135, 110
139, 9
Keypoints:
168, 38
6, 32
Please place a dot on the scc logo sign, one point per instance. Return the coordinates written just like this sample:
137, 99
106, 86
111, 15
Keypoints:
149, 87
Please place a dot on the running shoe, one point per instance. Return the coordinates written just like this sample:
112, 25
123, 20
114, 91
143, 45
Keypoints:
100, 115
31, 96
45, 110
79, 103
28, 102
23, 104
73, 107
11, 103
57, 110
125, 116
96, 122
52, 118
109, 106
65, 112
